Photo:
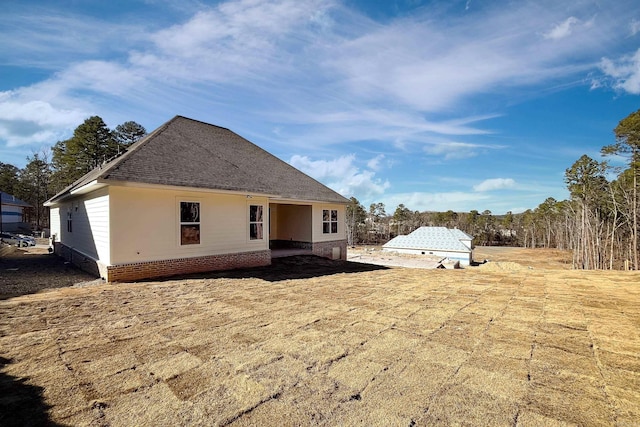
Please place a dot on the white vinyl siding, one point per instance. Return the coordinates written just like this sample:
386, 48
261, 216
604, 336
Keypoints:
144, 224
89, 215
54, 222
318, 223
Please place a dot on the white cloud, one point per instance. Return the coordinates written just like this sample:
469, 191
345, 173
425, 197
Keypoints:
233, 41
342, 175
563, 29
45, 37
424, 201
452, 150
432, 64
318, 71
494, 184
634, 27
34, 122
625, 72
374, 164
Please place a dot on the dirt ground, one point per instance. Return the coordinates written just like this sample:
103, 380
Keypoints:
27, 271
519, 341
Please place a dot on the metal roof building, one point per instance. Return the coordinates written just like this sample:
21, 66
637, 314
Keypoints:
440, 241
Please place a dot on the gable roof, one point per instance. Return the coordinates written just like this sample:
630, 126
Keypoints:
8, 199
189, 153
431, 238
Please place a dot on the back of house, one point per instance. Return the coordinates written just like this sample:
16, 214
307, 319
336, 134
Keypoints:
193, 197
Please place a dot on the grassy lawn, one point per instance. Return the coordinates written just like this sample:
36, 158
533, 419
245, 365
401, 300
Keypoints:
520, 343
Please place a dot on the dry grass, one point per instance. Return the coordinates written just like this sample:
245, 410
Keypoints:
482, 346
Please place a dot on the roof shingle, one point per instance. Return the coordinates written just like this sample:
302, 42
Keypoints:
189, 153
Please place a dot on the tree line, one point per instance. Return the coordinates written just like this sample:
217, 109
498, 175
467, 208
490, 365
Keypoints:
598, 223
53, 169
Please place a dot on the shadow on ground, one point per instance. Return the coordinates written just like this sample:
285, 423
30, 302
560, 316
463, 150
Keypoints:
287, 268
23, 273
21, 404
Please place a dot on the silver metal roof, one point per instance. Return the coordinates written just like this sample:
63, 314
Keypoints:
431, 238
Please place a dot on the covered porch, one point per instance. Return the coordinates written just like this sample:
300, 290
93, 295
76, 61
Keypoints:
290, 229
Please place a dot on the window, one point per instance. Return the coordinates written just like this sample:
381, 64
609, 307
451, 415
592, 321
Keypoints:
329, 221
69, 221
256, 222
189, 223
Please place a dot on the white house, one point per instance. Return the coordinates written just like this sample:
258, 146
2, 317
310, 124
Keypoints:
439, 241
193, 197
12, 215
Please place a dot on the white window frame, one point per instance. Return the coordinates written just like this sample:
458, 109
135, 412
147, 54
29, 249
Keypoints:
330, 220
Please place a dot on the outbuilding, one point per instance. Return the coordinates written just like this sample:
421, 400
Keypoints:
453, 244
12, 213
193, 197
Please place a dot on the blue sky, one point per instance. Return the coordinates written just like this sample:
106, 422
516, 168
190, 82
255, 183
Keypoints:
439, 105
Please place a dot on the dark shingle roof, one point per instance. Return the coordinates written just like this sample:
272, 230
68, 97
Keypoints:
8, 199
188, 153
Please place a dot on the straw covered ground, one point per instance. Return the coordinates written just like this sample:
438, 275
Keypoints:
520, 341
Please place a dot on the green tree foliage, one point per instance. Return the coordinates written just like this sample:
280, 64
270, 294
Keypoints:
35, 187
356, 216
377, 211
401, 217
128, 133
9, 178
91, 145
588, 186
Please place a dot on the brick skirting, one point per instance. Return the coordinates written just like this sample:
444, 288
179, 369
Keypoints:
170, 267
326, 249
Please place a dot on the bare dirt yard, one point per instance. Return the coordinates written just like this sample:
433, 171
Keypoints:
519, 341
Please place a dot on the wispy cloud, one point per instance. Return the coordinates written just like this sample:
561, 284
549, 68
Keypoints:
323, 65
434, 201
450, 150
494, 184
317, 76
625, 72
634, 27
48, 39
563, 29
374, 164
343, 175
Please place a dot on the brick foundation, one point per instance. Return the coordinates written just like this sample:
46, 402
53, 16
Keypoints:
164, 268
326, 249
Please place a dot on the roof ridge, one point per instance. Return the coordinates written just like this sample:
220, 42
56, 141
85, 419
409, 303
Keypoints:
226, 161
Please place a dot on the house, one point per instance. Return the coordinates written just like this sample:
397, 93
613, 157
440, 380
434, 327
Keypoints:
193, 197
440, 241
12, 214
